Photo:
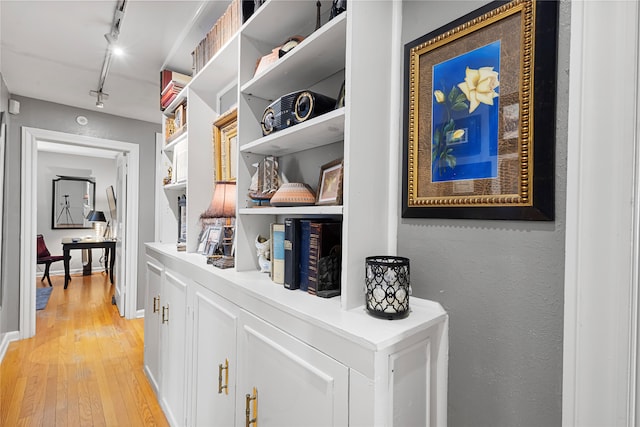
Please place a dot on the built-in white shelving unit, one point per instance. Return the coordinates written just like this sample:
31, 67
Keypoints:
353, 48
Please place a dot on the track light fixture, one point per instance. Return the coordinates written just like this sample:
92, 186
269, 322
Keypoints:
100, 97
112, 49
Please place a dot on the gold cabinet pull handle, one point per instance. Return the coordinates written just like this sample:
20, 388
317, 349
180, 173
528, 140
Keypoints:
249, 404
165, 313
224, 368
156, 304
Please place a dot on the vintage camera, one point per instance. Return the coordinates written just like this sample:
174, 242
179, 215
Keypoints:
294, 108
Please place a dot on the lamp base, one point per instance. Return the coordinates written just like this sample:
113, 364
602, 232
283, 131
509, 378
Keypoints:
224, 262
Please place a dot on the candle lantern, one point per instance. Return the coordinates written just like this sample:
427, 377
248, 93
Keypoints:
388, 286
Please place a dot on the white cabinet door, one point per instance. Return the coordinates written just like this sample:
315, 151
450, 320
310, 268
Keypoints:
173, 347
296, 385
214, 360
152, 324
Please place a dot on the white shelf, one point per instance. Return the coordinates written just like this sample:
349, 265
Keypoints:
320, 55
297, 210
271, 25
182, 185
172, 145
322, 130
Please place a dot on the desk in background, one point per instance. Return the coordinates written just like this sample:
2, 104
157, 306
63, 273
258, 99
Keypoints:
69, 243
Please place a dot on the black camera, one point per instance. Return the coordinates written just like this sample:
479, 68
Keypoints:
294, 108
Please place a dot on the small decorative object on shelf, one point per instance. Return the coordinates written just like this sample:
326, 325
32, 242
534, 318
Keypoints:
265, 61
265, 181
293, 194
167, 179
287, 46
388, 286
264, 254
223, 205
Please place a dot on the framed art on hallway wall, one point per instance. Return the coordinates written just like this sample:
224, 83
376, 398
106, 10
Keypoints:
480, 115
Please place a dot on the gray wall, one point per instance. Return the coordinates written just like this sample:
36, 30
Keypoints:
500, 281
61, 118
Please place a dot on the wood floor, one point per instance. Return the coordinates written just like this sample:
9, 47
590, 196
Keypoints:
83, 367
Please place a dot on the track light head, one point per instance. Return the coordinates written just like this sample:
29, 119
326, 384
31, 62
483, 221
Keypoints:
100, 97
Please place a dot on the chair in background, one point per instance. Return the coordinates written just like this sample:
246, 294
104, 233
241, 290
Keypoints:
45, 257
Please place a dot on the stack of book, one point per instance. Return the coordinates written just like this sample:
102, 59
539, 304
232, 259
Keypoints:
171, 84
306, 255
225, 27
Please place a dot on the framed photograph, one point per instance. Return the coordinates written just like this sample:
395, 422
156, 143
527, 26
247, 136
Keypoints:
330, 184
213, 239
480, 116
180, 165
180, 117
225, 142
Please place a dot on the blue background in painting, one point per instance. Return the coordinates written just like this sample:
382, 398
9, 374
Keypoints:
478, 156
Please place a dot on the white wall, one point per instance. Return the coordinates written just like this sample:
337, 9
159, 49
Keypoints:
49, 166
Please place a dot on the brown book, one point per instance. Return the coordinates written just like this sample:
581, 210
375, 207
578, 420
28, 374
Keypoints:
324, 241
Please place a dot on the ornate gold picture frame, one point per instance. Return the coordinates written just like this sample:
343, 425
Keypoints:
480, 115
225, 140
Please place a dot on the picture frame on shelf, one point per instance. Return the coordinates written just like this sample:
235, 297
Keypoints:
169, 128
210, 236
479, 137
330, 183
180, 164
225, 145
180, 117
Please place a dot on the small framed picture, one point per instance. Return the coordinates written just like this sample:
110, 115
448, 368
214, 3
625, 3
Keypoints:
180, 116
213, 239
330, 184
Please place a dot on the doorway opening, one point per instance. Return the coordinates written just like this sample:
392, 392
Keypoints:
127, 241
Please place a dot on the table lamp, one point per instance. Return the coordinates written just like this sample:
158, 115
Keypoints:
223, 205
97, 218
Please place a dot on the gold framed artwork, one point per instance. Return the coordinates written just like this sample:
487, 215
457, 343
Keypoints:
225, 142
330, 183
480, 115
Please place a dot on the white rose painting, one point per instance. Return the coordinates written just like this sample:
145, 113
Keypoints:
464, 143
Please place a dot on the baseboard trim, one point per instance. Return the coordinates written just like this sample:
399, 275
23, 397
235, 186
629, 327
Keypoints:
7, 338
140, 314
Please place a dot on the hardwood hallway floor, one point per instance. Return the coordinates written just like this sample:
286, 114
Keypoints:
83, 367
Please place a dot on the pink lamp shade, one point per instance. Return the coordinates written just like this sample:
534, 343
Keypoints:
223, 204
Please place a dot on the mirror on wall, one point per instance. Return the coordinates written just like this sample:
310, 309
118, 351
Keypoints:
73, 199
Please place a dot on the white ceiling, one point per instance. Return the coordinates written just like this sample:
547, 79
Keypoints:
53, 50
